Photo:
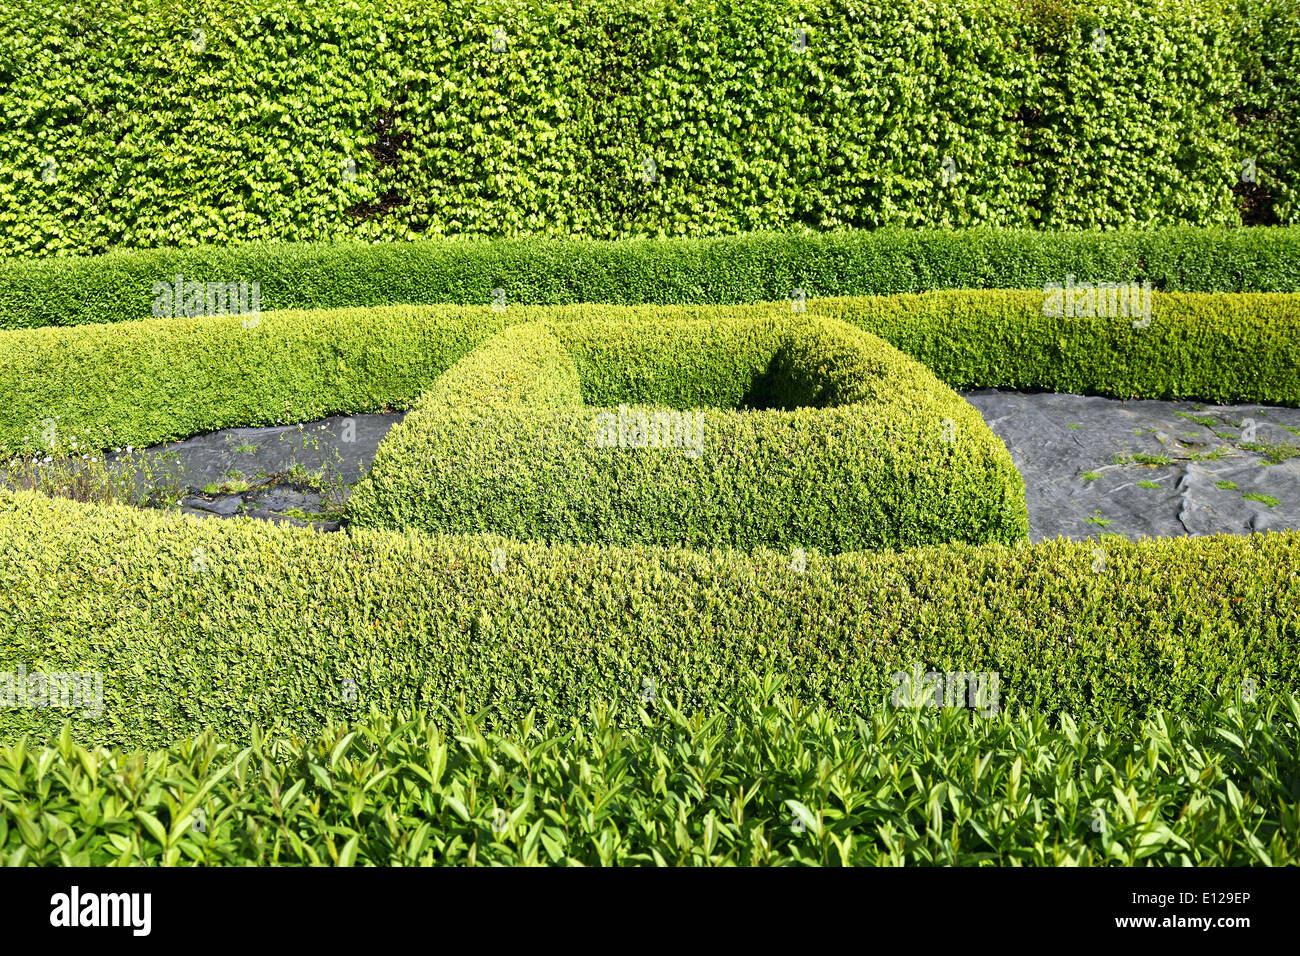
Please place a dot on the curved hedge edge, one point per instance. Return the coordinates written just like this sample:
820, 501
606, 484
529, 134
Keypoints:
222, 625
156, 380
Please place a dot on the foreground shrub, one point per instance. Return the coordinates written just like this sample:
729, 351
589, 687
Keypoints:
194, 625
160, 379
761, 267
147, 123
765, 781
729, 432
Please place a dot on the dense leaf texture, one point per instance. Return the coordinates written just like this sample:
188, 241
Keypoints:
141, 124
760, 267
220, 625
767, 781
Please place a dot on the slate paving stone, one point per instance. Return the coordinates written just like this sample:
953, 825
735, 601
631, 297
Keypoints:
251, 452
1059, 442
223, 507
341, 448
284, 499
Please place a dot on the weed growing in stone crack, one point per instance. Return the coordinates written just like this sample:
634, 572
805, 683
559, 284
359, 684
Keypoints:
1268, 500
324, 477
1226, 485
1098, 520
1090, 475
1141, 459
1148, 484
1275, 453
232, 485
63, 469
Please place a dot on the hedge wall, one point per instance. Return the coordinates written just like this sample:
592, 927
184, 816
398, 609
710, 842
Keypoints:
140, 124
1268, 112
761, 267
162, 379
220, 625
719, 433
765, 781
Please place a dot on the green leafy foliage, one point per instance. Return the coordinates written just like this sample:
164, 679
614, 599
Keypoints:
1213, 348
140, 124
762, 781
771, 266
729, 432
198, 625
1267, 110
159, 379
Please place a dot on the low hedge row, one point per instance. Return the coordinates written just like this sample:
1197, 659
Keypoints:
192, 625
728, 432
763, 781
752, 268
1213, 348
171, 378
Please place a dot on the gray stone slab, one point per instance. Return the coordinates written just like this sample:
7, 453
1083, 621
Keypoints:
1077, 456
223, 507
341, 447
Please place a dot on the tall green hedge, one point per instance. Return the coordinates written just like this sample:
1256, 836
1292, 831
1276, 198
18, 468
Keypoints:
161, 379
727, 432
143, 123
194, 624
1268, 110
759, 267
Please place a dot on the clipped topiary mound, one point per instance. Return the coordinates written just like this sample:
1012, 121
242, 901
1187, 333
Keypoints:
785, 433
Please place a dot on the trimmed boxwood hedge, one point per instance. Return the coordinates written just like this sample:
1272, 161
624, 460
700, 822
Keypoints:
1213, 348
171, 378
161, 379
711, 270
764, 780
785, 432
224, 624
